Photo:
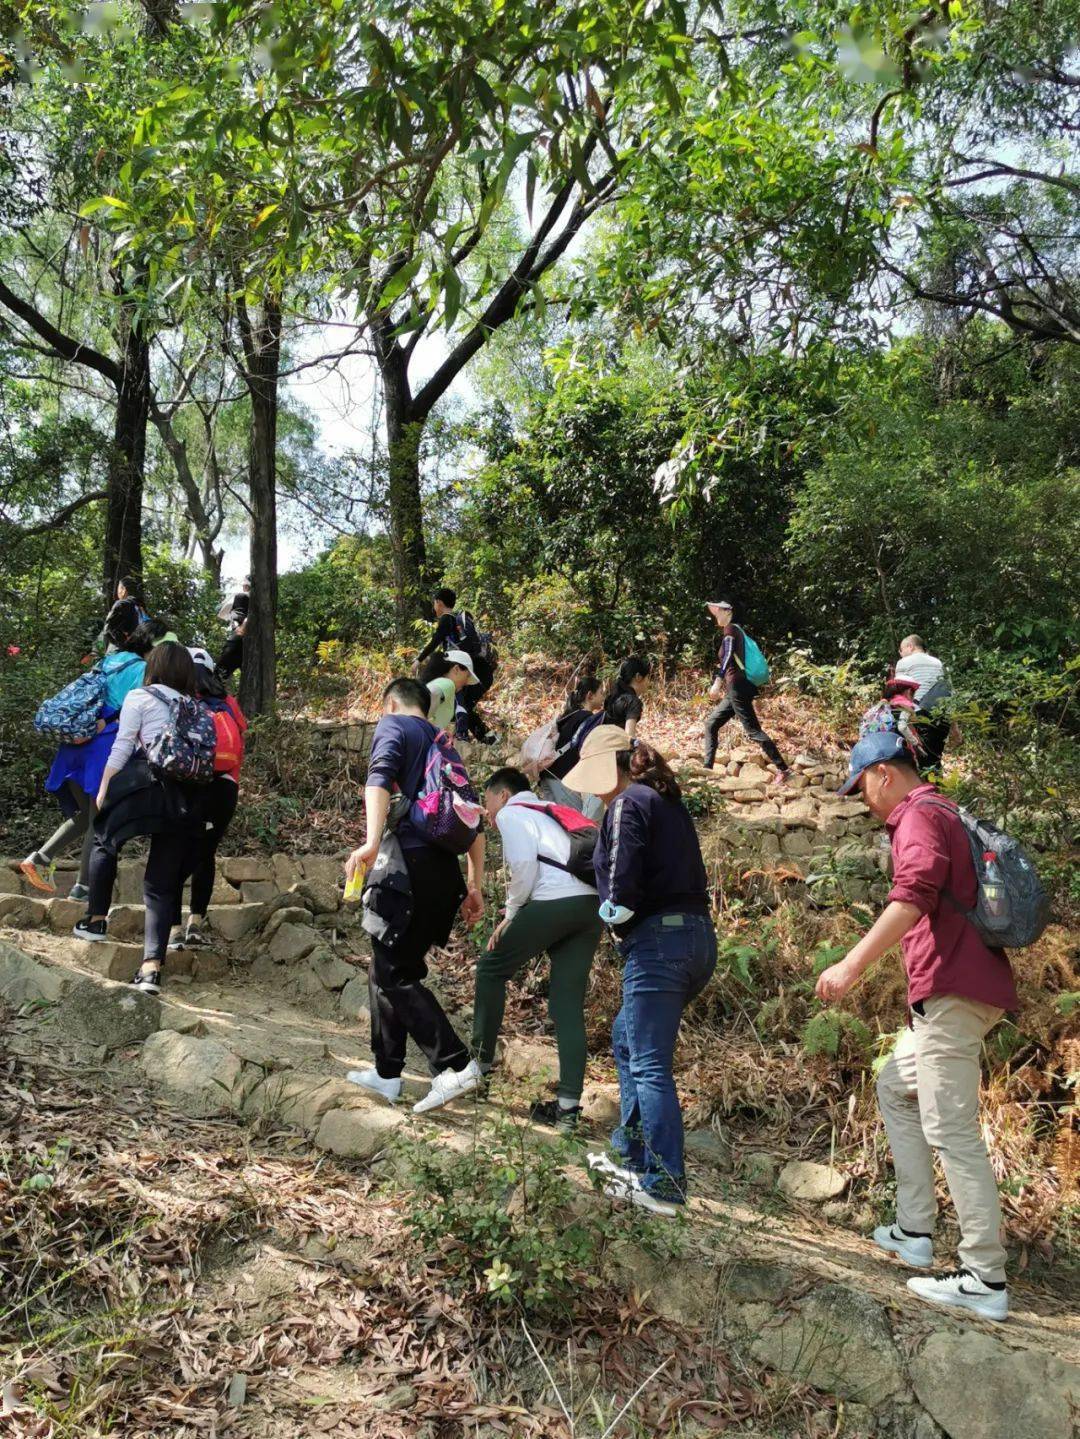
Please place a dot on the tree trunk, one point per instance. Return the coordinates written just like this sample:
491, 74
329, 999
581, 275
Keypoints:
262, 351
127, 460
404, 430
201, 531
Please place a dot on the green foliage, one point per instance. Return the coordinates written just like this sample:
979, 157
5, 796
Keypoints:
499, 1216
835, 1034
340, 597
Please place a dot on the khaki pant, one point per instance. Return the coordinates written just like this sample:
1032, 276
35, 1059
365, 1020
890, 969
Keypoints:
929, 1096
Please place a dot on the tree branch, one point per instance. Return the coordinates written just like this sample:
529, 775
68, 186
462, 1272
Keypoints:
63, 345
59, 519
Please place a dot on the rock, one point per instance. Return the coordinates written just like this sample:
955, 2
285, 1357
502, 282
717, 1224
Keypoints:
126, 922
10, 882
129, 884
323, 869
286, 871
64, 914
601, 1104
796, 844
355, 739
203, 1076
529, 1060
756, 1281
24, 980
224, 893
299, 1099
111, 1015
836, 1339
711, 1147
118, 961
239, 868
234, 921
683, 1290
258, 891
332, 973
359, 1131
323, 898
207, 965
802, 813
759, 1169
292, 942
978, 1388
815, 1183
286, 914
23, 912
353, 999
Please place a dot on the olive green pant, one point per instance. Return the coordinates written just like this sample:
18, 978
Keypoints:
568, 931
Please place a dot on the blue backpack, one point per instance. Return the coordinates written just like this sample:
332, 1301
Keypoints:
755, 665
72, 715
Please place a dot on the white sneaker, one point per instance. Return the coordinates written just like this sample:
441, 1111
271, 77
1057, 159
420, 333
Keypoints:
917, 1253
963, 1290
450, 1084
634, 1194
390, 1089
604, 1164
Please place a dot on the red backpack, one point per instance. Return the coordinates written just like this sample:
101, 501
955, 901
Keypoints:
229, 727
583, 836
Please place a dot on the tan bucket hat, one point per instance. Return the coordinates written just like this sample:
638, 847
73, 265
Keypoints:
597, 771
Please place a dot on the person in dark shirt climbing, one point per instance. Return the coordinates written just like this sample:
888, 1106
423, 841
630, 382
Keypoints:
735, 695
624, 706
456, 630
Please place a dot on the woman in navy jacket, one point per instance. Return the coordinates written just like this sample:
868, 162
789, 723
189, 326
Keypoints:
654, 894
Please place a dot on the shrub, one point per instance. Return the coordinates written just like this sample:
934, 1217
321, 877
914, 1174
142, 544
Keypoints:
835, 1034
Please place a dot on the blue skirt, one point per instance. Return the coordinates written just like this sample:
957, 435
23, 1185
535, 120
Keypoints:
81, 765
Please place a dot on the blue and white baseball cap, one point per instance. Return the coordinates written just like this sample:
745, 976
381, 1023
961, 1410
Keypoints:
874, 749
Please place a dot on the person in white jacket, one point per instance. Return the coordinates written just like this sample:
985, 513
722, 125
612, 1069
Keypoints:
548, 910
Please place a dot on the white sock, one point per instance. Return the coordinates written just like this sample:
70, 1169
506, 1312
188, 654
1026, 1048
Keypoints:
565, 1103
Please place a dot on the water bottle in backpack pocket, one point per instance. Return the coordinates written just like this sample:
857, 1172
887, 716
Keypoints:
1011, 906
184, 750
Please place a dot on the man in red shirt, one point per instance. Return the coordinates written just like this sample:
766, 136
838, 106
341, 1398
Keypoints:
958, 989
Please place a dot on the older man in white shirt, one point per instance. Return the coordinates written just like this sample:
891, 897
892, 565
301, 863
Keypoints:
548, 910
929, 673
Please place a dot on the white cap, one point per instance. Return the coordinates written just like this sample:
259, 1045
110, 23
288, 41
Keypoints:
201, 656
459, 657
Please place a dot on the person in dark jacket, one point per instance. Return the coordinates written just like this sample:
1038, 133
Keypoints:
220, 798
654, 894
125, 615
624, 705
131, 802
457, 631
401, 1004
735, 694
583, 712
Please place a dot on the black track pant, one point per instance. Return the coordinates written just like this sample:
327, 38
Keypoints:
167, 867
739, 701
402, 1006
219, 806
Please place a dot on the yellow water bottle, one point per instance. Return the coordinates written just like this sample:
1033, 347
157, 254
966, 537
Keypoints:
354, 885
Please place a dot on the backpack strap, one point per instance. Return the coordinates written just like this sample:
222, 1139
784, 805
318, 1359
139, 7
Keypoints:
945, 806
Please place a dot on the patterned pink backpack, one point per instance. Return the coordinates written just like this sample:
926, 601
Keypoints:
446, 811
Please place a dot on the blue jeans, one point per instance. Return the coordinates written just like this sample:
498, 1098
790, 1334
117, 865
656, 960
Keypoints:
669, 959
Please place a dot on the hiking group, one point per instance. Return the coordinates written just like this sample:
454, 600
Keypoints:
595, 836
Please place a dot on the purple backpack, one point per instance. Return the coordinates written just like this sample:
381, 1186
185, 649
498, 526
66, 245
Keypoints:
446, 810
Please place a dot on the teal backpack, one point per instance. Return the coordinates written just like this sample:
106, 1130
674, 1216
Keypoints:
755, 665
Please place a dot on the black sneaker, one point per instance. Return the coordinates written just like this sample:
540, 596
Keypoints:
195, 937
92, 930
148, 981
551, 1112
177, 941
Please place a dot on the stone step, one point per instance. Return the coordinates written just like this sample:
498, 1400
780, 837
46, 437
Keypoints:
241, 879
126, 921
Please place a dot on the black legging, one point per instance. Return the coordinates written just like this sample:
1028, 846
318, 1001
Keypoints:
739, 701
219, 806
167, 867
468, 719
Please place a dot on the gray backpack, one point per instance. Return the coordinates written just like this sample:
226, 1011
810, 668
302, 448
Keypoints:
1011, 908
